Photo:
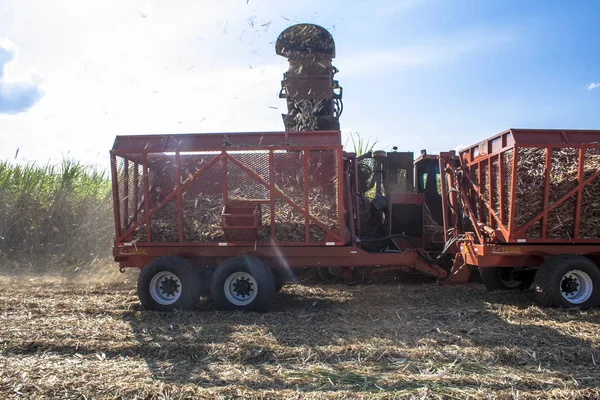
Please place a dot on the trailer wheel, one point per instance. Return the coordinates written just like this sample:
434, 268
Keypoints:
279, 279
568, 280
243, 283
329, 274
502, 278
168, 283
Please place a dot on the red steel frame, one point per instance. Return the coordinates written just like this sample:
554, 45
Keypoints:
127, 146
343, 252
493, 148
506, 245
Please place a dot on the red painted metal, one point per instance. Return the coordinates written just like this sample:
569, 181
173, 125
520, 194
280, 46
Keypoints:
170, 149
295, 257
256, 160
511, 245
476, 158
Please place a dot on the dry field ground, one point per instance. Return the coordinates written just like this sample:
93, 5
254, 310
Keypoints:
89, 338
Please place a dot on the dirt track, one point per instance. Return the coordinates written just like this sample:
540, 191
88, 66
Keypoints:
64, 339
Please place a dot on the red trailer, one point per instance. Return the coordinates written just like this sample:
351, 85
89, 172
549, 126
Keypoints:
231, 214
523, 207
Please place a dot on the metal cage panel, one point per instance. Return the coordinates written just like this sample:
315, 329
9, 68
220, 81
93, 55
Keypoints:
194, 189
534, 186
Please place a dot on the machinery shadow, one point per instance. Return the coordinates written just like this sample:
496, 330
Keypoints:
322, 324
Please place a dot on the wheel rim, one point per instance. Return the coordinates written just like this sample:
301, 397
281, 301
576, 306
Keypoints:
576, 286
241, 288
165, 288
335, 271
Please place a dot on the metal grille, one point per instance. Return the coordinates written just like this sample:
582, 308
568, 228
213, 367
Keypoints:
561, 220
290, 224
192, 162
130, 186
495, 200
162, 176
507, 162
474, 195
202, 205
564, 163
122, 187
210, 182
289, 175
589, 226
483, 211
243, 185
529, 191
323, 201
164, 223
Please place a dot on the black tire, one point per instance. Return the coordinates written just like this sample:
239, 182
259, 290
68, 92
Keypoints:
501, 278
183, 284
331, 274
243, 293
279, 280
556, 276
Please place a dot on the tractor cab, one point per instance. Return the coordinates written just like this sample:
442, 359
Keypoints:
408, 192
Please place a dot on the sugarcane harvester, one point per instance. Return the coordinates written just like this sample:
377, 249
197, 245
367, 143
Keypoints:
313, 96
314, 103
231, 215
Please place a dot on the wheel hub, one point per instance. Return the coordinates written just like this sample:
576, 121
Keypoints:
169, 286
242, 286
576, 286
570, 285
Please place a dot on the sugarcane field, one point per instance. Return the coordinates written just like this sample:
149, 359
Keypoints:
193, 207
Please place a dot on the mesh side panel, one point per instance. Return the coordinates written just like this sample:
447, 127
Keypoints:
563, 177
164, 223
507, 160
529, 191
591, 163
323, 201
289, 175
563, 172
589, 226
289, 223
257, 161
317, 234
561, 220
162, 176
242, 185
194, 161
495, 189
264, 231
534, 231
140, 234
121, 185
474, 199
135, 203
483, 211
202, 205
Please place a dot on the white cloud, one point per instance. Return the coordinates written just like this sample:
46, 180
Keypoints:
593, 85
16, 95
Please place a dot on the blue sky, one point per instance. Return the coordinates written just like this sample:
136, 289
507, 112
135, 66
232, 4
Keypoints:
419, 74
